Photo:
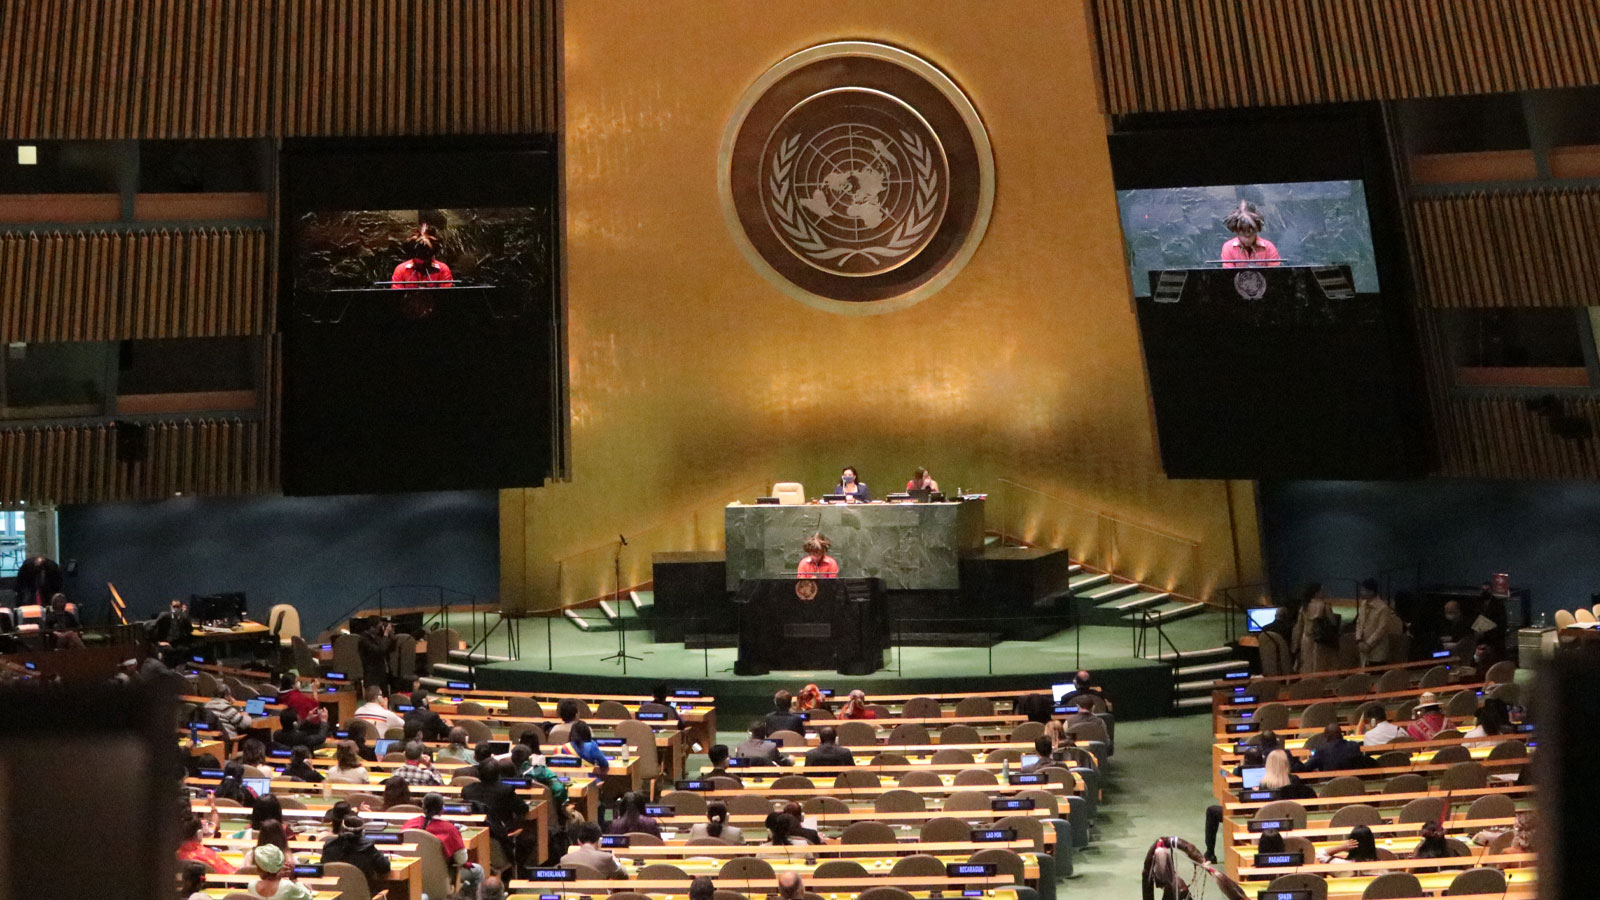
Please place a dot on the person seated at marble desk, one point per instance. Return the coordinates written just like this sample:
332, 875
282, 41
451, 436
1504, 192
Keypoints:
817, 563
922, 480
852, 487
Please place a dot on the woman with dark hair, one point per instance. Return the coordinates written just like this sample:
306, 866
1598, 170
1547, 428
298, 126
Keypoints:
300, 767
1246, 247
1360, 846
232, 786
396, 791
274, 833
1432, 844
253, 753
192, 885
1494, 718
450, 841
347, 767
716, 825
269, 808
817, 563
631, 818
922, 480
852, 487
1271, 841
333, 819
780, 830
421, 270
580, 740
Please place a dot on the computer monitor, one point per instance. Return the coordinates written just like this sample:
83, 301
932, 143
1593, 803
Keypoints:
261, 786
1059, 691
382, 747
833, 498
921, 495
1260, 617
255, 707
1252, 775
1029, 759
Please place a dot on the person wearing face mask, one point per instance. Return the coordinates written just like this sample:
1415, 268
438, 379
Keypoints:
1247, 247
852, 487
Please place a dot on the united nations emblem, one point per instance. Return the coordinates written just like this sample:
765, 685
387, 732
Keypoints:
1250, 284
805, 590
858, 177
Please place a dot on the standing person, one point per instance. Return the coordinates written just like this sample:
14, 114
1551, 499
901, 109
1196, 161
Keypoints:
1377, 625
852, 487
1247, 247
817, 563
374, 646
173, 629
63, 624
421, 269
1316, 632
37, 580
922, 480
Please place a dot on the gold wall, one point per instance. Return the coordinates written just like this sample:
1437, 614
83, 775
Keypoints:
694, 381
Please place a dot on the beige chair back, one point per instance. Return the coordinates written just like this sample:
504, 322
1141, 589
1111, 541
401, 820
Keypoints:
789, 493
430, 858
284, 620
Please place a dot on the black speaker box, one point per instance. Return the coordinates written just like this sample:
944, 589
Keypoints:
131, 445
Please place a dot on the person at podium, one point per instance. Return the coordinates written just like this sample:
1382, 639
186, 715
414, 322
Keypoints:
1247, 247
817, 563
852, 487
922, 480
421, 270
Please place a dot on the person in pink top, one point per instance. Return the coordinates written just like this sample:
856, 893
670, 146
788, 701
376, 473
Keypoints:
1247, 247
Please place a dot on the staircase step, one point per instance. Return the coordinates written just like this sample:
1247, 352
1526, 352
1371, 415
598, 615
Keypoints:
1135, 602
453, 671
1085, 580
1173, 611
1195, 687
1195, 704
1109, 591
1075, 568
1192, 655
465, 656
1210, 668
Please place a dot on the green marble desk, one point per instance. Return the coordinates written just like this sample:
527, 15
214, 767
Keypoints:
911, 546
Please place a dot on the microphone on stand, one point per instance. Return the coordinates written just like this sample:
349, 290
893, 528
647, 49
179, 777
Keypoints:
623, 540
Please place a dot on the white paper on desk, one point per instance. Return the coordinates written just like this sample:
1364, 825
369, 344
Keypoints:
1483, 625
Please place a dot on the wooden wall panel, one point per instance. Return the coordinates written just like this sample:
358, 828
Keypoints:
1511, 248
1165, 55
105, 69
78, 464
115, 285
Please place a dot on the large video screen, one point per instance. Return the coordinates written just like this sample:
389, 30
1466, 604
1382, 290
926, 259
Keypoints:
1308, 223
420, 318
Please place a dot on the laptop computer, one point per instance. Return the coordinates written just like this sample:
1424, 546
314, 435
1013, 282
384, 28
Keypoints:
1251, 776
255, 708
921, 495
382, 746
261, 786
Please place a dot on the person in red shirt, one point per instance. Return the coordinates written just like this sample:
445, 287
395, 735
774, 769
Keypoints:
304, 705
1247, 247
450, 841
922, 480
817, 563
421, 270
195, 831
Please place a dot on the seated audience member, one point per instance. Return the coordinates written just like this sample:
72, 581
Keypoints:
659, 703
1336, 753
828, 752
567, 709
396, 792
783, 717
702, 888
293, 733
458, 751
1486, 653
630, 817
528, 762
1278, 777
232, 785
272, 833
417, 769
1039, 708
781, 829
231, 719
430, 725
431, 821
586, 852
1432, 843
492, 888
580, 739
192, 881
504, 808
1060, 738
253, 753
1083, 685
1270, 841
809, 698
333, 819
1250, 758
793, 810
1084, 714
1453, 631
300, 767
791, 886
63, 625
719, 763
271, 864
347, 767
1428, 718
376, 712
758, 747
1493, 720
351, 845
1378, 730
1358, 847
1376, 626
856, 707
268, 808
1044, 749
716, 825
191, 846
305, 706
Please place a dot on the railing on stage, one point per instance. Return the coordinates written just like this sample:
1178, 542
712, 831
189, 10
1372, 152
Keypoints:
439, 605
1104, 541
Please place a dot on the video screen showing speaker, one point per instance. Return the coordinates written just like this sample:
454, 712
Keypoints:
1266, 259
420, 316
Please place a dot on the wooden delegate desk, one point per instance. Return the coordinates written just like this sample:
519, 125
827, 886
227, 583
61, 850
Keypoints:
877, 859
529, 890
1348, 880
910, 546
759, 887
473, 826
404, 881
1397, 838
247, 632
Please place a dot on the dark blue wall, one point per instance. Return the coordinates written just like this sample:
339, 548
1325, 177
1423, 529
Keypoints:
1545, 533
323, 554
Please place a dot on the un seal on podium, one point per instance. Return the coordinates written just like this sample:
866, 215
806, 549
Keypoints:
805, 590
857, 177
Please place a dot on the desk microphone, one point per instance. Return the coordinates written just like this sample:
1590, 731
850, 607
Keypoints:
623, 540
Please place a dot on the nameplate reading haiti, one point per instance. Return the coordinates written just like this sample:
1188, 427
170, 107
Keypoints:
857, 177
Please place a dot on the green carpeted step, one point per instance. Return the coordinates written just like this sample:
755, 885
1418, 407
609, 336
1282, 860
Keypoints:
1174, 610
1086, 580
1136, 601
1109, 591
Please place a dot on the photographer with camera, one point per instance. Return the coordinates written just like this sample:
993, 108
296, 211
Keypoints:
375, 644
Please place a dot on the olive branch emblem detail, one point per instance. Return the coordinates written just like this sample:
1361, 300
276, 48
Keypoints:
785, 205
